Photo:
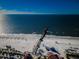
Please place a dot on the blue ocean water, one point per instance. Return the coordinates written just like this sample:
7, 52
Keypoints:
29, 23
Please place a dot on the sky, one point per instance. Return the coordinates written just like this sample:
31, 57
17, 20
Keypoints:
40, 6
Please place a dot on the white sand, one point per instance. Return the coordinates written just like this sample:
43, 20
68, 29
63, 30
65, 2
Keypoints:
26, 42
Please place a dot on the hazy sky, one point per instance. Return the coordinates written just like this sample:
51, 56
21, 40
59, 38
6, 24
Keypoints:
41, 6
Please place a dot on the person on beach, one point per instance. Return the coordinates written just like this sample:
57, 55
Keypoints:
27, 55
53, 55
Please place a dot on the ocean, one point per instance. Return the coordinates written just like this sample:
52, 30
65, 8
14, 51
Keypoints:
67, 25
